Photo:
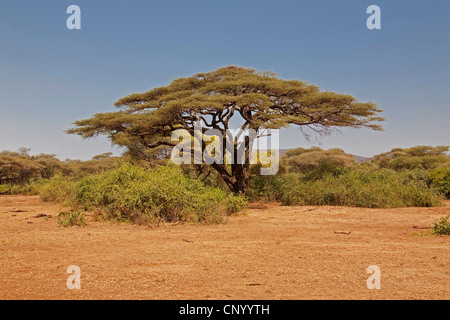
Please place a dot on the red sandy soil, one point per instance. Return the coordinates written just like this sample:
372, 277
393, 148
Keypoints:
271, 252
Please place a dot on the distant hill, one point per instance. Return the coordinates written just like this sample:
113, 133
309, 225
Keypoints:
359, 159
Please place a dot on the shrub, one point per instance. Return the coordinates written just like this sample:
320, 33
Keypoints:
234, 204
5, 189
132, 193
265, 188
441, 226
31, 188
73, 218
440, 179
374, 189
58, 189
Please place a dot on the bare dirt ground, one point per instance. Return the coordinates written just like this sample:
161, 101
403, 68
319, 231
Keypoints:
270, 253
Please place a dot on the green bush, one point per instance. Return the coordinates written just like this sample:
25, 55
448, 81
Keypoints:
28, 189
441, 226
58, 188
132, 193
73, 218
265, 188
5, 189
440, 179
419, 157
383, 188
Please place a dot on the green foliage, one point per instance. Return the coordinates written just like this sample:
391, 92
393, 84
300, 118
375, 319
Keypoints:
145, 196
16, 168
131, 193
4, 189
311, 164
372, 189
156, 193
58, 188
28, 189
442, 226
72, 218
265, 188
20, 169
302, 160
420, 157
440, 179
234, 203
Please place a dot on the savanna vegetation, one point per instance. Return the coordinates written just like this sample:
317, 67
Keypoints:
143, 186
228, 98
331, 177
19, 170
122, 189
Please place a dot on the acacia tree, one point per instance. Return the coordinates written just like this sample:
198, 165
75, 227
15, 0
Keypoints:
426, 157
258, 100
304, 160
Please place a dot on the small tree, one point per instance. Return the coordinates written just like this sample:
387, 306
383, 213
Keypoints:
51, 165
18, 169
304, 160
230, 95
422, 157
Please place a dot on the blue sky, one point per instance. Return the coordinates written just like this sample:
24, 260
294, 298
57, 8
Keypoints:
51, 76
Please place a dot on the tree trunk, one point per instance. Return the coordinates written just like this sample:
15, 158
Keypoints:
237, 183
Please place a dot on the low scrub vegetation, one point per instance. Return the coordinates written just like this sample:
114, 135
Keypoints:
440, 179
377, 189
364, 186
144, 196
19, 168
154, 191
441, 227
72, 218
